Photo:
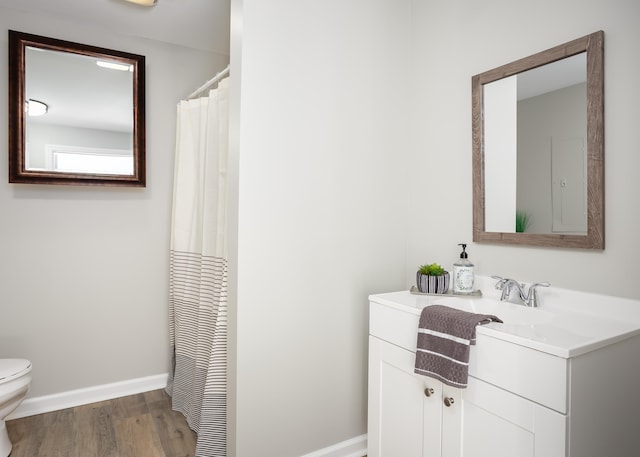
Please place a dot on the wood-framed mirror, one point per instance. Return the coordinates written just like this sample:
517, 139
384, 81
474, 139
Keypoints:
76, 113
538, 148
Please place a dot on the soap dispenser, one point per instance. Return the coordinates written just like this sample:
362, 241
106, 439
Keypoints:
463, 275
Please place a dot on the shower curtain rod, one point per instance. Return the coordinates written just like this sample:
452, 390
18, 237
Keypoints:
210, 83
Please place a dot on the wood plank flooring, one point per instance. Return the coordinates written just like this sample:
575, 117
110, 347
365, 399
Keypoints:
141, 425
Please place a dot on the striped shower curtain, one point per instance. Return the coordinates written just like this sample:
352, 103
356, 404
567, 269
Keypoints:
198, 269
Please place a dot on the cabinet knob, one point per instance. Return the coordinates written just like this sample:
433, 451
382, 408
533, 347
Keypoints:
428, 391
448, 401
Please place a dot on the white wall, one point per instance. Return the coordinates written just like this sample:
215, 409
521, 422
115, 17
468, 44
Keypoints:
321, 213
451, 42
500, 117
351, 165
84, 270
338, 181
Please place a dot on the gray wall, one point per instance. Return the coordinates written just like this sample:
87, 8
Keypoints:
352, 162
353, 114
320, 186
543, 119
454, 41
84, 270
39, 135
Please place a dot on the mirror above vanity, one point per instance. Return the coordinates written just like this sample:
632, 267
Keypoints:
76, 113
538, 148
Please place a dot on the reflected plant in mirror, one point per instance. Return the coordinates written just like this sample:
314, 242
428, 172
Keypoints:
76, 113
522, 221
538, 148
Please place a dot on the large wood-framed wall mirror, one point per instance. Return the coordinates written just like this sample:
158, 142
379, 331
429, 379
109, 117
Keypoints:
76, 113
538, 148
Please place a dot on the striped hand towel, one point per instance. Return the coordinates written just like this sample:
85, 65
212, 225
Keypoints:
444, 338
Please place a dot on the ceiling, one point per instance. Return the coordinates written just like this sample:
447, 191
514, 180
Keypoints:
553, 76
198, 24
78, 92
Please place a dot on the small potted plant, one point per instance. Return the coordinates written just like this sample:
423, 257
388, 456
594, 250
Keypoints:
432, 279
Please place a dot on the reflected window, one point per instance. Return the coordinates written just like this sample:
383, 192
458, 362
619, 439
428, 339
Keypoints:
70, 159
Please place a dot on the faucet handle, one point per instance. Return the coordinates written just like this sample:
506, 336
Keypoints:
505, 284
533, 293
501, 282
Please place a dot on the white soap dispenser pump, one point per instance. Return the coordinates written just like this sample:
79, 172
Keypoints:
463, 275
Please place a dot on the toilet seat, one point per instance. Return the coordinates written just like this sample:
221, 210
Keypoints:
13, 368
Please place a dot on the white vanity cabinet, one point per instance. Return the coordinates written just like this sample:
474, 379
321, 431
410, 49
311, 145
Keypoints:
403, 421
417, 416
520, 402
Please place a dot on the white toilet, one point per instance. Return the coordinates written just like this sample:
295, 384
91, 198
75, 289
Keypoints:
15, 379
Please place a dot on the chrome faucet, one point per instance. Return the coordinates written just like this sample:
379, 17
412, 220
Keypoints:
528, 297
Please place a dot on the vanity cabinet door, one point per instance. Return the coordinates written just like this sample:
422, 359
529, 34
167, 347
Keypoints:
405, 409
417, 416
498, 423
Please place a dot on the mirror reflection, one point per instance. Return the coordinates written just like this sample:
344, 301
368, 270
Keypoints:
76, 113
538, 148
85, 124
535, 125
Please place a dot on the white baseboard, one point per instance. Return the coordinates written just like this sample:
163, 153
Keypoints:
354, 447
71, 398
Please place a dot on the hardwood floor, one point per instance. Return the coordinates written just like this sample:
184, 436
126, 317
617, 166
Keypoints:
141, 425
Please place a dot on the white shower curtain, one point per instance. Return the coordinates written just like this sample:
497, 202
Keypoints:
198, 269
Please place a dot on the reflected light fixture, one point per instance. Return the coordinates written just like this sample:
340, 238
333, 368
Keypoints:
114, 65
144, 2
35, 107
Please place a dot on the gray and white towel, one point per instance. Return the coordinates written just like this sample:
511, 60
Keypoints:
444, 338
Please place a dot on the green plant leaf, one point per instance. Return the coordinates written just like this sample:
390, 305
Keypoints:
522, 221
431, 269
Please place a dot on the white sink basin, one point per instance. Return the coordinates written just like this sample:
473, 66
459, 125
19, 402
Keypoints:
509, 313
565, 334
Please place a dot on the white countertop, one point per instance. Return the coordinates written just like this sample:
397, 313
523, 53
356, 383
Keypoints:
561, 332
